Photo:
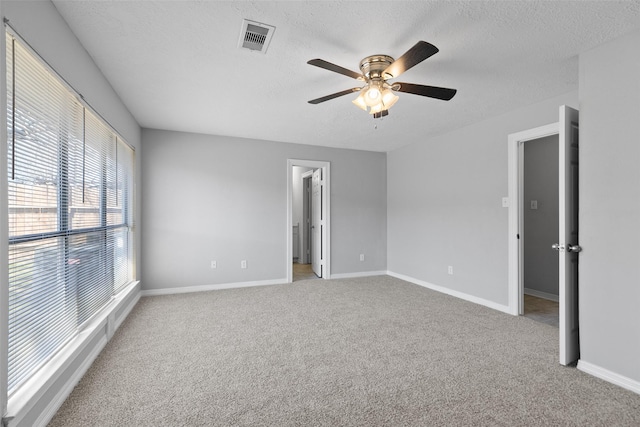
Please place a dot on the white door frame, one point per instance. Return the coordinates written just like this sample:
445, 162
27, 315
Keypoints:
516, 214
326, 209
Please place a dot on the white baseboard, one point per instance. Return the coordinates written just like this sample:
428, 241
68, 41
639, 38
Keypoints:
457, 294
607, 375
204, 288
540, 294
359, 274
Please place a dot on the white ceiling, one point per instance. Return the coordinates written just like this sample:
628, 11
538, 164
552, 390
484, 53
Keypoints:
176, 64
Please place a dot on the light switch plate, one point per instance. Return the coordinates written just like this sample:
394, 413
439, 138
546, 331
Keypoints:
505, 202
534, 204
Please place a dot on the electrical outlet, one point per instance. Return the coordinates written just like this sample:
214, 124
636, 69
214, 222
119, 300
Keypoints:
243, 263
450, 270
214, 264
361, 257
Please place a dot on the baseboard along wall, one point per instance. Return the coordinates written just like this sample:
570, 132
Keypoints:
360, 274
609, 376
235, 285
457, 294
204, 288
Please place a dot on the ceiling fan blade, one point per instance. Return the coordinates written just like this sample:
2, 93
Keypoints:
418, 53
431, 91
335, 68
334, 95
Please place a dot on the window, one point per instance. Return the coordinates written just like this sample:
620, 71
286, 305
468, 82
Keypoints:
70, 213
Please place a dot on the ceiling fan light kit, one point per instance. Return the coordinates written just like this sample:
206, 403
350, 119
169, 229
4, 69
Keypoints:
376, 96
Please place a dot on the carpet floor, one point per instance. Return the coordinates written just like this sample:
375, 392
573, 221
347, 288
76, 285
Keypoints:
351, 352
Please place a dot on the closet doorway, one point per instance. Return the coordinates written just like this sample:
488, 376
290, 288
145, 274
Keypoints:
540, 211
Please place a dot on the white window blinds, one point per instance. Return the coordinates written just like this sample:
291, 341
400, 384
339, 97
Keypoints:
70, 218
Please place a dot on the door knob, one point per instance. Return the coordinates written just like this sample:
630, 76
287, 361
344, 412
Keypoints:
569, 248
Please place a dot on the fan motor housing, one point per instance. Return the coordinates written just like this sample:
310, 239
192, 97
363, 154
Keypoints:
373, 66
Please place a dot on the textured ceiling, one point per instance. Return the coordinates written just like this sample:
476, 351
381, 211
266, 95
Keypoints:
176, 65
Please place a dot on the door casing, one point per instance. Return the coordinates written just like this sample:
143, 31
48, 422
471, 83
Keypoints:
516, 214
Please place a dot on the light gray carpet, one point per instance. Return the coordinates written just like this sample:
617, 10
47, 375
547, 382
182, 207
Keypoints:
358, 352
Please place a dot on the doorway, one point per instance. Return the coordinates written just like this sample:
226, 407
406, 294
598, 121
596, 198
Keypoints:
540, 229
302, 223
314, 235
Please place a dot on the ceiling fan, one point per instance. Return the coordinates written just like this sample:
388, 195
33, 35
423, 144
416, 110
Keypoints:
376, 96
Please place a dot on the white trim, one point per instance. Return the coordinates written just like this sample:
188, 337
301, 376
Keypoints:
4, 233
117, 321
205, 288
457, 294
29, 397
514, 152
540, 294
54, 404
358, 274
611, 377
326, 176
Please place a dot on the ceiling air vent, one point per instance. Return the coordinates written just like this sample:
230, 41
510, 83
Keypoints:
255, 36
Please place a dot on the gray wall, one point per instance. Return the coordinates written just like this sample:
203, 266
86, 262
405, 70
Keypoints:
225, 199
541, 224
444, 204
609, 266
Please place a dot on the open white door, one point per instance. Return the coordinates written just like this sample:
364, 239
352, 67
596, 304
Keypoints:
567, 245
316, 222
